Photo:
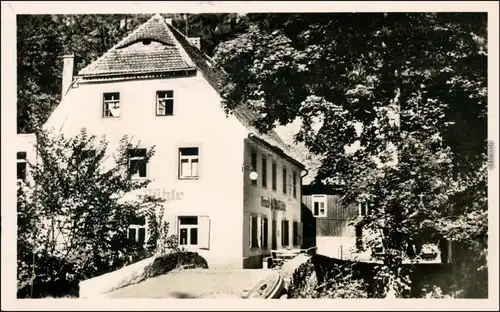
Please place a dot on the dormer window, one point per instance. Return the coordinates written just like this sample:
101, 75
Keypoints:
164, 103
111, 105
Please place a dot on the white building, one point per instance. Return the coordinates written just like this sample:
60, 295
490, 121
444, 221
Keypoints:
157, 87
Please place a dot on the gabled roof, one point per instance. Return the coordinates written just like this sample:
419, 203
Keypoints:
162, 54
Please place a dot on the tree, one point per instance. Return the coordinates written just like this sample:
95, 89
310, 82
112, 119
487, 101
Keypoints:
43, 39
212, 29
73, 219
37, 68
409, 89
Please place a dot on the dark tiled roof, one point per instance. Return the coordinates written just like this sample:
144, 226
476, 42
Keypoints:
215, 75
162, 56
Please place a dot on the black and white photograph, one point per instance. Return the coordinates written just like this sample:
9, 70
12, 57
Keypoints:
207, 152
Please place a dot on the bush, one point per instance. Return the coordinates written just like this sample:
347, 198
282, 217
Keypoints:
73, 218
53, 279
312, 280
179, 259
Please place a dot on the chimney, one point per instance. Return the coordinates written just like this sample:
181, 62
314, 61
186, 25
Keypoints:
67, 72
195, 41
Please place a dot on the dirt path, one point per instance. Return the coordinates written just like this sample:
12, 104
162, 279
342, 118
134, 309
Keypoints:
195, 283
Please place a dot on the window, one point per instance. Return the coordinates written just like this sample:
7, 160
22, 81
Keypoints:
294, 181
284, 180
137, 230
188, 231
164, 103
22, 163
188, 162
319, 205
264, 172
363, 209
254, 165
285, 238
273, 176
359, 237
111, 105
254, 226
194, 231
295, 233
137, 163
265, 232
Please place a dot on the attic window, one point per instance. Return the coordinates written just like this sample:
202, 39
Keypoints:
146, 41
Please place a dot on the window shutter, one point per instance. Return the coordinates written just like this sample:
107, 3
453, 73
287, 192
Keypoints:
301, 233
250, 231
173, 226
204, 232
283, 233
259, 231
142, 235
263, 237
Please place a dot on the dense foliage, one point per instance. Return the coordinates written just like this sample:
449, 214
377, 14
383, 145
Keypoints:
72, 218
409, 91
313, 280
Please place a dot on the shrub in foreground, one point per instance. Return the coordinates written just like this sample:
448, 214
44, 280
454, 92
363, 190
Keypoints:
337, 281
179, 259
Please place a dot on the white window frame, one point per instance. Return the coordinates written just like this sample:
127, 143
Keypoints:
115, 101
190, 159
137, 227
360, 209
163, 100
136, 176
25, 162
320, 199
188, 228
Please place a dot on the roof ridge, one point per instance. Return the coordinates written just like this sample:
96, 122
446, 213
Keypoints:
187, 39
